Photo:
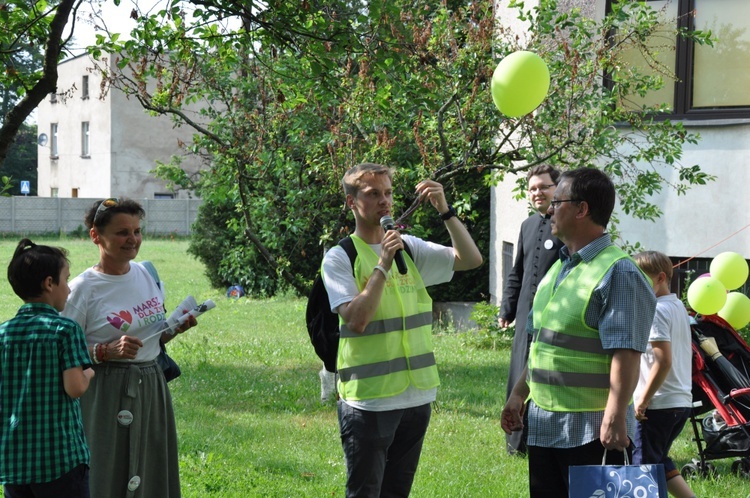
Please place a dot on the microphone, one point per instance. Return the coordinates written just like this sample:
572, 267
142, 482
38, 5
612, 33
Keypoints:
387, 223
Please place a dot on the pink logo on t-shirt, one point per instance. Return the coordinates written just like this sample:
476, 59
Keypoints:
120, 320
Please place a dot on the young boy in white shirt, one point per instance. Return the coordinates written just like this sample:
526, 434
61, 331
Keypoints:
663, 397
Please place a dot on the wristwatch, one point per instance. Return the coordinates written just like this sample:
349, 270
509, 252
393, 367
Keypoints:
448, 214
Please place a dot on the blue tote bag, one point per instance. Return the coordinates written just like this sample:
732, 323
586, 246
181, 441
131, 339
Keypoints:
617, 481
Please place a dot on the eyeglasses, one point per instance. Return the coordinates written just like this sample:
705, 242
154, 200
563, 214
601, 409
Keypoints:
555, 204
542, 188
104, 205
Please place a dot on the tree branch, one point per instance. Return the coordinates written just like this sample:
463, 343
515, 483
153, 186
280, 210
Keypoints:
46, 84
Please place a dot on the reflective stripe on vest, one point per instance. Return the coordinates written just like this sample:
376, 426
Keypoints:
583, 344
390, 325
385, 367
395, 350
568, 367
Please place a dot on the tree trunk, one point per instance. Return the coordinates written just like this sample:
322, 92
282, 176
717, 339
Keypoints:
46, 84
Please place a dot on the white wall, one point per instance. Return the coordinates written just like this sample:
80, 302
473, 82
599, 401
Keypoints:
505, 222
693, 225
125, 141
139, 140
71, 171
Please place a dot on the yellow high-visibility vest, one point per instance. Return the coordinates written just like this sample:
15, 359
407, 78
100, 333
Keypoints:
568, 368
395, 349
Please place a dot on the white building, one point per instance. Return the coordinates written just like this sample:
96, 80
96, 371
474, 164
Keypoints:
712, 99
94, 148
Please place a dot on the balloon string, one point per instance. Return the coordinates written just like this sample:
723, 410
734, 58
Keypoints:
711, 247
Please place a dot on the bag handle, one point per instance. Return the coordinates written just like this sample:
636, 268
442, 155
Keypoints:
604, 458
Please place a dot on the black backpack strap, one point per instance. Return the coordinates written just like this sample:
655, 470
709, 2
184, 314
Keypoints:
348, 244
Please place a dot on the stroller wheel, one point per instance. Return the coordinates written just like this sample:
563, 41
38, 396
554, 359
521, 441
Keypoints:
689, 471
709, 470
695, 469
741, 467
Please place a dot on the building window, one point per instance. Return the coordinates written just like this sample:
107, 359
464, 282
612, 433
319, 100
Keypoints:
53, 141
74, 193
507, 260
53, 192
85, 87
85, 152
53, 98
711, 82
163, 195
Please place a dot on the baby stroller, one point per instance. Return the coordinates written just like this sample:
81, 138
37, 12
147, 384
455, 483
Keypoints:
721, 385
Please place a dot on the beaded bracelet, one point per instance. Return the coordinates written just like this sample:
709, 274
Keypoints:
105, 353
94, 355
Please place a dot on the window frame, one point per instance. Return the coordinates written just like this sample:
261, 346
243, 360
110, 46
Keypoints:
684, 68
54, 151
85, 139
85, 87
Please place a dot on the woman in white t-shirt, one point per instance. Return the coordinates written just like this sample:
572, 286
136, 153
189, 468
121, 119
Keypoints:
127, 410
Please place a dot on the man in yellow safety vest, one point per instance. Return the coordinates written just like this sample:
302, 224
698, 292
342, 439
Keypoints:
590, 323
387, 375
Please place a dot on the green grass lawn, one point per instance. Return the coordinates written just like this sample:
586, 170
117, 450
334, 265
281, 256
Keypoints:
249, 416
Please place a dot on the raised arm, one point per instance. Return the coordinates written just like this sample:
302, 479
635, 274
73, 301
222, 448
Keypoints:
467, 254
358, 312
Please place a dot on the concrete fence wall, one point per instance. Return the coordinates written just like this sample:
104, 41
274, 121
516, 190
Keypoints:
44, 215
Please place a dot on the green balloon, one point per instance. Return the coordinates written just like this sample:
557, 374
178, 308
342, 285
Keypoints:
731, 268
707, 295
519, 83
736, 311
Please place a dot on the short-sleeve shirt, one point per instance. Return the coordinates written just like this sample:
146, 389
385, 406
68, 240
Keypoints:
42, 431
435, 265
622, 309
109, 306
671, 324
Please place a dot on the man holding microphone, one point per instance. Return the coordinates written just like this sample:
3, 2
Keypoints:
387, 371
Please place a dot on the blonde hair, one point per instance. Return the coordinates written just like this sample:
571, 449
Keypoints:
352, 180
654, 262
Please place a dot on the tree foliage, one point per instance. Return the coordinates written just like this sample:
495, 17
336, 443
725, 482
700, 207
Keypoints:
21, 162
294, 94
25, 28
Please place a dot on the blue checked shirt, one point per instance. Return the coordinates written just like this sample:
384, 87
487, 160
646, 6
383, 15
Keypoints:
41, 431
622, 308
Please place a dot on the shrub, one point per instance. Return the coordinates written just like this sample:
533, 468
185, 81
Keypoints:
489, 334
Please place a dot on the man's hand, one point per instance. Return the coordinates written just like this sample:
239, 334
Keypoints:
390, 244
511, 419
433, 191
623, 377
